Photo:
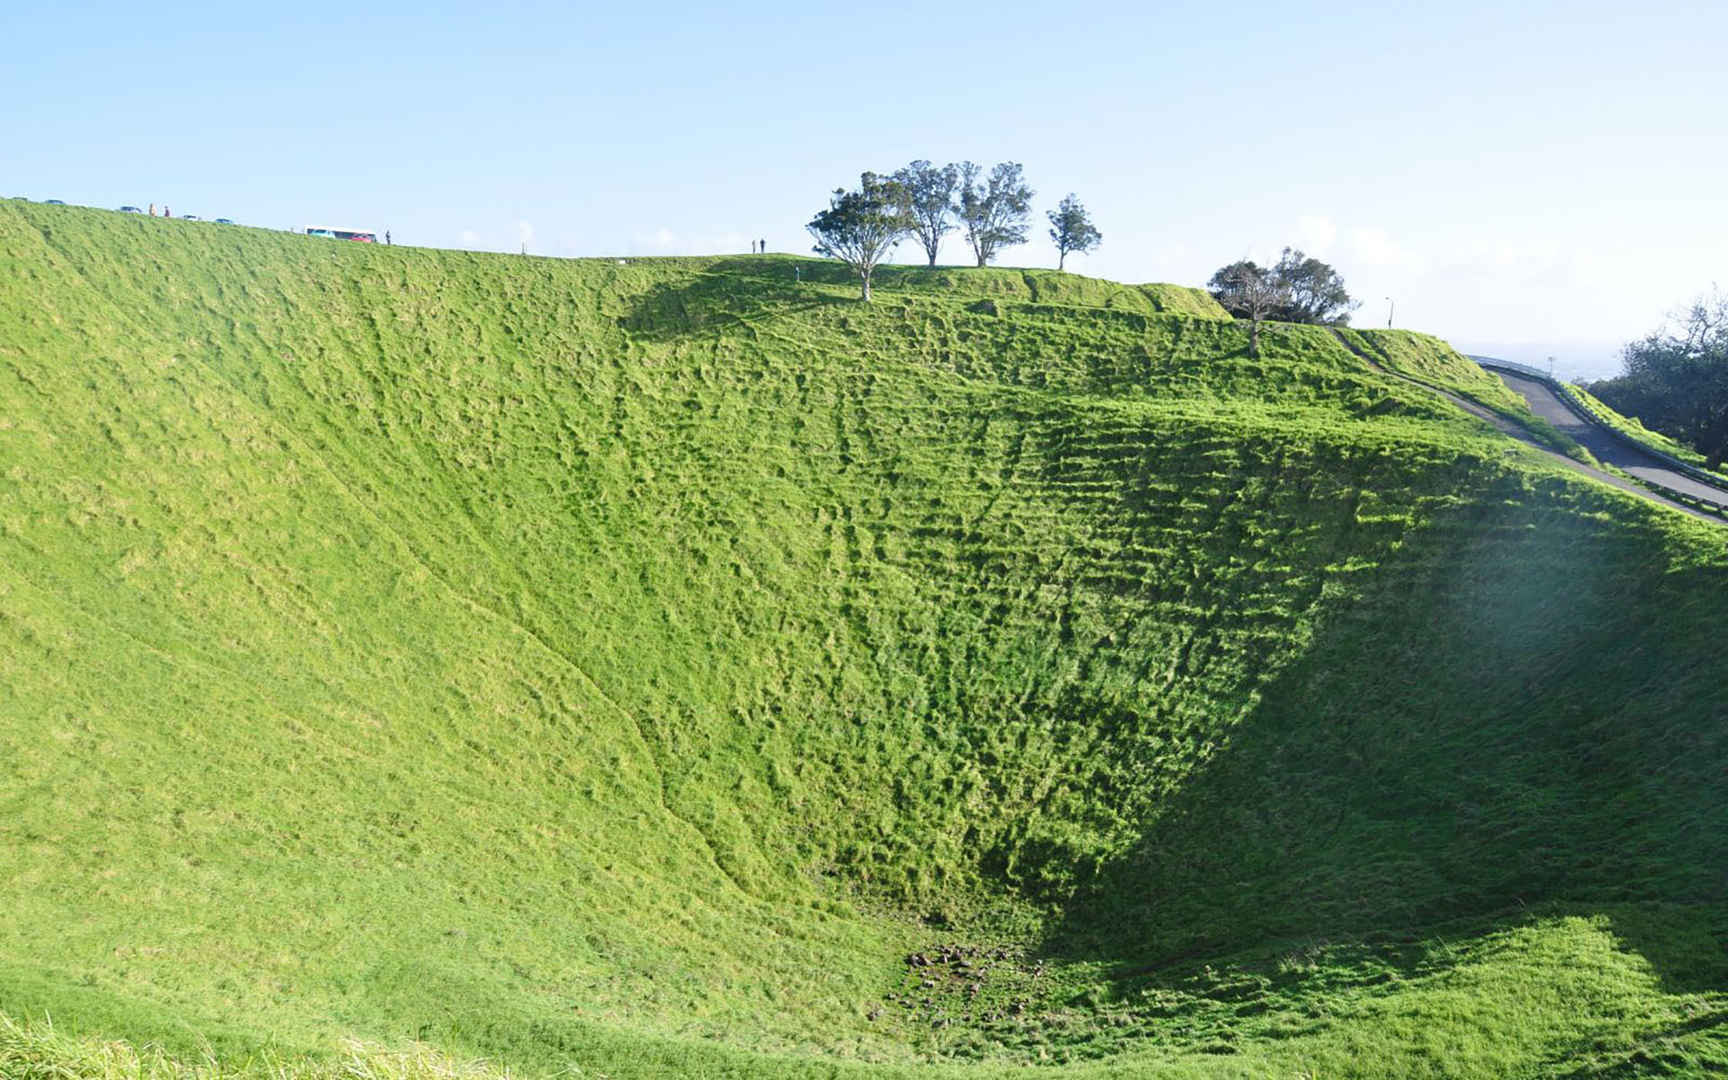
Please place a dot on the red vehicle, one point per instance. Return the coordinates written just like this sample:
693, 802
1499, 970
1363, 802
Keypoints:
362, 236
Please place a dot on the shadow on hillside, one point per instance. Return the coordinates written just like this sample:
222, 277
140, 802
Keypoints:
1523, 718
732, 292
748, 289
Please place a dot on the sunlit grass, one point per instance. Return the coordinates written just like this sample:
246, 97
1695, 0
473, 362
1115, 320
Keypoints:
565, 664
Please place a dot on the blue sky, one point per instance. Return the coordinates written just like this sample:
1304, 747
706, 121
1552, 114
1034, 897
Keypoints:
1531, 179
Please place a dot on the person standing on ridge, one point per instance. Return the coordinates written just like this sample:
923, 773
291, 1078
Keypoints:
386, 237
764, 247
152, 209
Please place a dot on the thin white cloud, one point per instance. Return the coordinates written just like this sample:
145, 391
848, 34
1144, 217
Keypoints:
718, 241
1375, 247
661, 239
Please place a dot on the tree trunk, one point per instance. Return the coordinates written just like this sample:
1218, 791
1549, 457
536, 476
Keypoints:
866, 276
1061, 258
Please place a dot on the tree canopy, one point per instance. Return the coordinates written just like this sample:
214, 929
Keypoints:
1251, 292
993, 210
930, 201
1313, 291
1676, 379
1071, 229
1317, 293
861, 227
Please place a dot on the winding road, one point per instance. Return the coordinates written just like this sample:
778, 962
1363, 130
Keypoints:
1653, 472
1609, 449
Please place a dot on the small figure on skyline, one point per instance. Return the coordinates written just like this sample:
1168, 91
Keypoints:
752, 247
152, 209
764, 247
386, 237
165, 212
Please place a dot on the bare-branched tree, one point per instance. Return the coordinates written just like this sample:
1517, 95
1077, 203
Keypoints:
1249, 292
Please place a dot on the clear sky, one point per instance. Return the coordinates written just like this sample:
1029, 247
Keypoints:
1526, 178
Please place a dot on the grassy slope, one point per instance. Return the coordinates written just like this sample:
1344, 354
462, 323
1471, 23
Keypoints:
1038, 286
1429, 360
559, 660
1425, 357
1634, 429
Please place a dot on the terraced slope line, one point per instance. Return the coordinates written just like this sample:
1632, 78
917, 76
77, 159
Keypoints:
1608, 447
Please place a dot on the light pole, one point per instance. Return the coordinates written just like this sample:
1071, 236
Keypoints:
1390, 307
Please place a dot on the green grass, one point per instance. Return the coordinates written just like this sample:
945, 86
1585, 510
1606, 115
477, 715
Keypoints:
1037, 286
1433, 362
1638, 433
568, 665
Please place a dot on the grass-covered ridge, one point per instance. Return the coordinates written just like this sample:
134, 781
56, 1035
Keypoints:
631, 666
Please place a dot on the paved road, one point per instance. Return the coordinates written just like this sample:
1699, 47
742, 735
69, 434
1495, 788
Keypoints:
1509, 428
1608, 449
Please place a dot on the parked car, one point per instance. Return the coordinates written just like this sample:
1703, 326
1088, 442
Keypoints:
52, 202
190, 217
224, 221
130, 210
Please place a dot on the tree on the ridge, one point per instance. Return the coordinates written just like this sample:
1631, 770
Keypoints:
1317, 293
861, 227
1313, 291
1071, 229
1249, 292
993, 210
930, 197
1676, 381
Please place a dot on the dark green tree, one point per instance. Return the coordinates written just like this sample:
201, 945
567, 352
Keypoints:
861, 227
1312, 291
1317, 293
1072, 229
1250, 292
1676, 379
994, 211
930, 197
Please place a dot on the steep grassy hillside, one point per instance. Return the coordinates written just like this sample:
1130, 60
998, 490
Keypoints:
678, 667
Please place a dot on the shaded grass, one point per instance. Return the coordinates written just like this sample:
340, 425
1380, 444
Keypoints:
1638, 433
564, 662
